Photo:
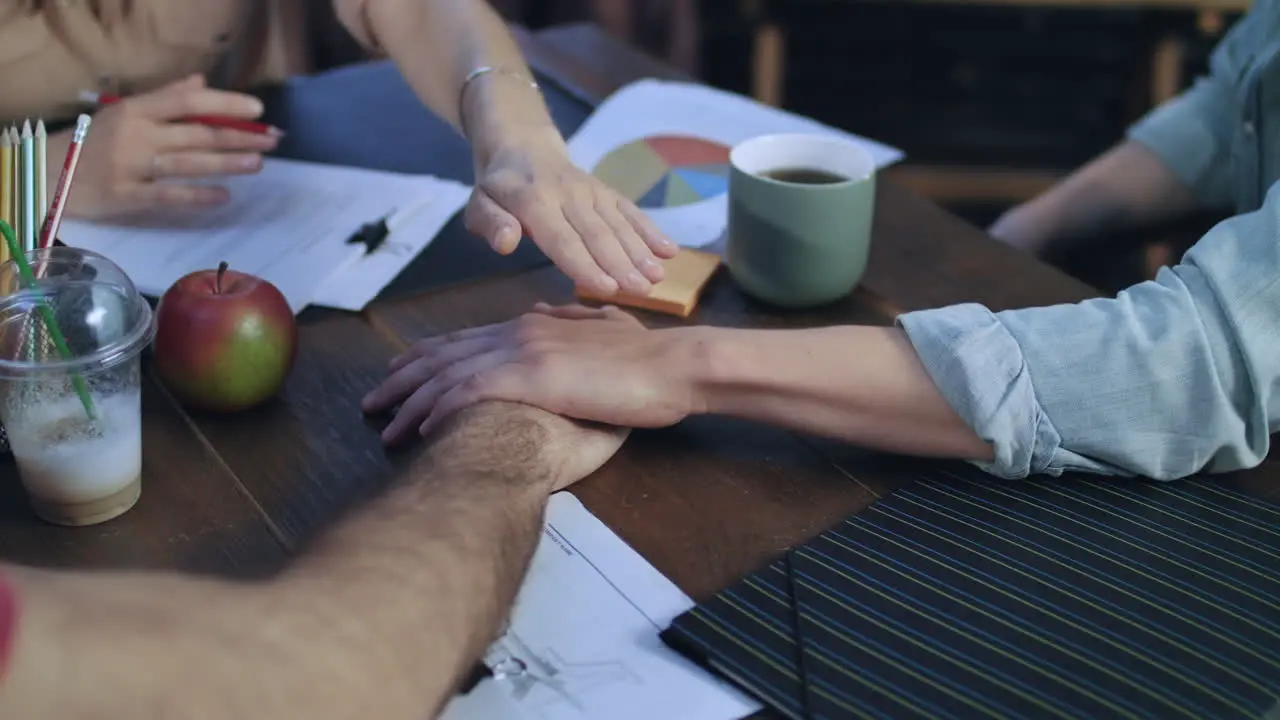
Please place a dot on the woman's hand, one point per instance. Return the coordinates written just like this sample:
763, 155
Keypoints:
595, 236
140, 141
591, 364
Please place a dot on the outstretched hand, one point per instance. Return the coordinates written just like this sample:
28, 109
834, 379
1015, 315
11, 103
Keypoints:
595, 236
585, 363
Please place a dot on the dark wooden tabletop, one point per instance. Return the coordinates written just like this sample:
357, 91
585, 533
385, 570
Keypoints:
705, 502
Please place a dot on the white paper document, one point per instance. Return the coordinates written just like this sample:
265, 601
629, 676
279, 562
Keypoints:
583, 639
665, 146
289, 224
359, 282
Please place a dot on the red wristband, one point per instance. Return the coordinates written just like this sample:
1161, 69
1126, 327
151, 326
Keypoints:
8, 621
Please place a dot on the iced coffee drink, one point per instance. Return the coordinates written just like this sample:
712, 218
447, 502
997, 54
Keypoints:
79, 471
70, 400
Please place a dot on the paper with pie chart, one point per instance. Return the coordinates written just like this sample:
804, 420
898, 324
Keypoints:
665, 147
667, 171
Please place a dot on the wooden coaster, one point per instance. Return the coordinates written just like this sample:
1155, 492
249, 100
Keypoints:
686, 275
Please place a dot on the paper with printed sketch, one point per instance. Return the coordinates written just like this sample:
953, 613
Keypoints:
665, 146
583, 638
289, 224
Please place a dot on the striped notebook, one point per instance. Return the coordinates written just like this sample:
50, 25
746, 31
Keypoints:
963, 596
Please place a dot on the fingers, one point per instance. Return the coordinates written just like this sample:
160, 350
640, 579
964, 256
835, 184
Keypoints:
418, 406
403, 382
174, 194
639, 254
456, 398
190, 82
488, 220
188, 98
550, 229
500, 383
572, 312
189, 135
658, 242
582, 312
202, 164
605, 248
430, 344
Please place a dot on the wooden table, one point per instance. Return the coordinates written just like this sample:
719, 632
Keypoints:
704, 502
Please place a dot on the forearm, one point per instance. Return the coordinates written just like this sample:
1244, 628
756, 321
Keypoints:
141, 645
437, 43
379, 619
418, 586
1126, 187
861, 384
1171, 377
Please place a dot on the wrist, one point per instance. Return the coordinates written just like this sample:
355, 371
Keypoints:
709, 362
493, 447
496, 140
503, 112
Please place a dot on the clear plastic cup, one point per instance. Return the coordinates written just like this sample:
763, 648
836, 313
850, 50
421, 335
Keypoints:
74, 414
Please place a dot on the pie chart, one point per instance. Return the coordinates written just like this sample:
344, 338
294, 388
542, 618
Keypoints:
666, 171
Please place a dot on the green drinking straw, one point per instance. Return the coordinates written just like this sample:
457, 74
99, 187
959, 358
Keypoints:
46, 312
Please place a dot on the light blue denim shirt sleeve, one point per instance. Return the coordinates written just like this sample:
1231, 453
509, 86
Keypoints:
1172, 377
1193, 133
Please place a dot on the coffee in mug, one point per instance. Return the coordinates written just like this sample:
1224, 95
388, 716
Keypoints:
805, 176
800, 209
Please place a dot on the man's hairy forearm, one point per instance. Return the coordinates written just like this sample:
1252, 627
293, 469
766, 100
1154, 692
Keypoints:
379, 619
419, 584
861, 384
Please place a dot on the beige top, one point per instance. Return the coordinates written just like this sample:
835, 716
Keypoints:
50, 50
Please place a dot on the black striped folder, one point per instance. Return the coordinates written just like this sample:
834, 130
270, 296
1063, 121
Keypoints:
964, 597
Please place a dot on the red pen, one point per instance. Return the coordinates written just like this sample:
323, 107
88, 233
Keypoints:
219, 121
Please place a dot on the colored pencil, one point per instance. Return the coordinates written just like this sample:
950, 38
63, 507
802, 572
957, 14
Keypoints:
51, 224
16, 179
217, 121
28, 208
6, 185
42, 174
16, 183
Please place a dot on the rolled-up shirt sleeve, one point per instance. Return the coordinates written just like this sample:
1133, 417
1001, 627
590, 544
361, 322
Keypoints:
1192, 132
1171, 377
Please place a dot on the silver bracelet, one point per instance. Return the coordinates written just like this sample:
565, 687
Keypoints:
478, 73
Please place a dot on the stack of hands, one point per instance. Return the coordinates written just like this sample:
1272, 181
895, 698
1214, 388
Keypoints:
594, 364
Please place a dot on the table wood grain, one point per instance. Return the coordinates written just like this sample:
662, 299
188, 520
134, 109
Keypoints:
705, 502
193, 514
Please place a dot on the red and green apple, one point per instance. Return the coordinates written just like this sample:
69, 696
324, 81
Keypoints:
225, 340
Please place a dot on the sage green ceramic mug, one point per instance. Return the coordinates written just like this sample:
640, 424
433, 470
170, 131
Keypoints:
800, 211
